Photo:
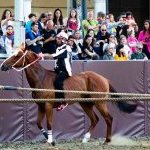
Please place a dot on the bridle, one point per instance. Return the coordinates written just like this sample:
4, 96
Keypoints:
24, 58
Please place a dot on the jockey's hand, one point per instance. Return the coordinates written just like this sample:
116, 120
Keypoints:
48, 56
41, 55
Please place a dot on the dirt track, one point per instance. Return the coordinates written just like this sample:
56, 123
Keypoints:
118, 144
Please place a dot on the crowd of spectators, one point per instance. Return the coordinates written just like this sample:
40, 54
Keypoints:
103, 38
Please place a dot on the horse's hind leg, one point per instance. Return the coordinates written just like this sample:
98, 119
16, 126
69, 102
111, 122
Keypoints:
103, 109
41, 115
88, 108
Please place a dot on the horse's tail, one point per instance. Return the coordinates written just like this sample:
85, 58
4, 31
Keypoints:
122, 105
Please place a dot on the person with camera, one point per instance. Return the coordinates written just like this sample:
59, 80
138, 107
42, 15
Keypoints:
34, 39
6, 19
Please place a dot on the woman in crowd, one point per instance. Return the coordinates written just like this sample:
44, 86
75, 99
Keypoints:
108, 52
7, 40
132, 41
42, 22
120, 53
88, 52
124, 42
58, 20
144, 37
73, 22
7, 19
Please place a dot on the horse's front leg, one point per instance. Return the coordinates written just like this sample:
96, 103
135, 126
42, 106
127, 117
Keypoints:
41, 115
49, 116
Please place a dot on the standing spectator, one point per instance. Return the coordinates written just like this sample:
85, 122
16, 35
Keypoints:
111, 24
7, 19
32, 18
144, 37
49, 16
138, 54
101, 18
7, 40
131, 22
90, 23
73, 22
120, 53
122, 27
132, 40
34, 38
49, 34
58, 20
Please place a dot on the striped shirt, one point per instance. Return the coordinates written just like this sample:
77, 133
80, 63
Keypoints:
63, 57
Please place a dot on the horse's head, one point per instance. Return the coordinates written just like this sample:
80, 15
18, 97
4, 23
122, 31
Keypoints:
21, 58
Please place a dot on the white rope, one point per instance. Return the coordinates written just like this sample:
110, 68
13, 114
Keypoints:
75, 100
71, 91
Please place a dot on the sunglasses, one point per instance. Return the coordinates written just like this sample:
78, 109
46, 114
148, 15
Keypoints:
103, 30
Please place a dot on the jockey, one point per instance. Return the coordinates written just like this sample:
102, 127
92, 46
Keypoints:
62, 65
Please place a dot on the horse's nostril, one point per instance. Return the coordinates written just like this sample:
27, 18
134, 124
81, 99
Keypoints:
4, 67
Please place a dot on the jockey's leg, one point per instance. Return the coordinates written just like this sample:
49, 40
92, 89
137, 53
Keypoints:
58, 84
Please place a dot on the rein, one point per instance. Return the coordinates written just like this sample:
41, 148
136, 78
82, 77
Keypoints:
23, 57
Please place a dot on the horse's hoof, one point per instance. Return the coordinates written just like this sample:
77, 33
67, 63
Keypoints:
107, 141
85, 140
53, 143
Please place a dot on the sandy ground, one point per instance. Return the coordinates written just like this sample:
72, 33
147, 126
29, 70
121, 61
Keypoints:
118, 143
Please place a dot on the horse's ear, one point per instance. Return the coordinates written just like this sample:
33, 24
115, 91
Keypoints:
22, 46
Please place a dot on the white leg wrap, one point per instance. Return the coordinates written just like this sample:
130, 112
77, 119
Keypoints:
50, 138
43, 130
86, 137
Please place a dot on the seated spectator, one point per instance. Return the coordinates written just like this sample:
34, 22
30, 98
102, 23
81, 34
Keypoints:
108, 52
42, 22
7, 40
138, 54
49, 34
88, 52
124, 42
101, 38
72, 44
113, 41
32, 18
34, 39
78, 41
7, 19
120, 53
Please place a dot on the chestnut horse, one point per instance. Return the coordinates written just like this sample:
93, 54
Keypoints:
39, 77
